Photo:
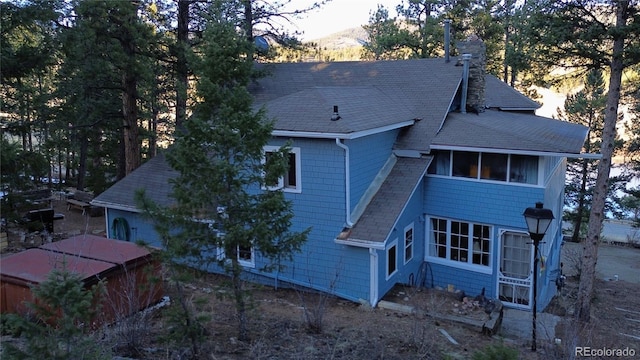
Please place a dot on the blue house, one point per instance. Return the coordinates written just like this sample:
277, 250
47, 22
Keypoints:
408, 172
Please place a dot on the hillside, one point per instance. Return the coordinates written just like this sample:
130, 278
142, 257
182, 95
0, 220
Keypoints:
349, 38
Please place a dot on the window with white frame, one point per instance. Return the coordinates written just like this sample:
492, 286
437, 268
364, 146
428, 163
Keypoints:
522, 169
460, 242
392, 259
291, 181
246, 256
408, 243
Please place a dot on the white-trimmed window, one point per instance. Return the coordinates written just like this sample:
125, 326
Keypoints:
460, 242
408, 243
246, 256
392, 258
522, 169
291, 181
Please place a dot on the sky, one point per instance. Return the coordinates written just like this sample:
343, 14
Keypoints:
336, 16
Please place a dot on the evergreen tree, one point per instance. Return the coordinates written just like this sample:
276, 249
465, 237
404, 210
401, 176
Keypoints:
223, 213
63, 311
586, 107
584, 35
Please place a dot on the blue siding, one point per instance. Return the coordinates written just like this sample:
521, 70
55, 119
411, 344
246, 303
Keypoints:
495, 204
141, 229
470, 282
407, 273
501, 206
323, 264
367, 156
483, 202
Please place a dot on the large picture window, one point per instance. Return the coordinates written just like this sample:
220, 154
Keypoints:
291, 181
460, 242
521, 169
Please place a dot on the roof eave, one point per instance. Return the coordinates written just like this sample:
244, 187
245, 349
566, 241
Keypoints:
516, 151
344, 136
114, 206
377, 245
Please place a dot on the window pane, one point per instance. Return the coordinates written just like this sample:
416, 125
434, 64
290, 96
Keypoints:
459, 241
408, 244
524, 169
465, 164
441, 163
290, 178
494, 166
481, 244
391, 260
439, 239
244, 253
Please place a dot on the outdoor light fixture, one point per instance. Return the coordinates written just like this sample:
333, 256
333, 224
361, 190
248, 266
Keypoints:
538, 220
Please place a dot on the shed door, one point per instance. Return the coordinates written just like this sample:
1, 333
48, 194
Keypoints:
514, 277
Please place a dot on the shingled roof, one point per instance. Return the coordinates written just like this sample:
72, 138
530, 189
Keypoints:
381, 214
500, 130
368, 94
153, 177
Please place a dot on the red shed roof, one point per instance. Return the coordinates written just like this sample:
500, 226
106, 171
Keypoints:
100, 248
32, 266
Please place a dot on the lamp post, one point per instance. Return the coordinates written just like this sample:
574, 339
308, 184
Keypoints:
538, 220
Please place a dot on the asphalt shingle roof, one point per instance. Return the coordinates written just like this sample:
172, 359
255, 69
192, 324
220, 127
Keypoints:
501, 96
153, 176
494, 129
411, 89
382, 212
362, 108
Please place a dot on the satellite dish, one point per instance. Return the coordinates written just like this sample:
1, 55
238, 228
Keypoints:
261, 44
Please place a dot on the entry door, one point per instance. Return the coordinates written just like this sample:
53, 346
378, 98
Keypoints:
515, 275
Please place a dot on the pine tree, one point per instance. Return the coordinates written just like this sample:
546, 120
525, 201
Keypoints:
224, 212
62, 312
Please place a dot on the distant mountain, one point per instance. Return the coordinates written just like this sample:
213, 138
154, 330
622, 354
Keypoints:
348, 38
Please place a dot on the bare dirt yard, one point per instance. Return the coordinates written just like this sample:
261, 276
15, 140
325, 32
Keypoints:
279, 322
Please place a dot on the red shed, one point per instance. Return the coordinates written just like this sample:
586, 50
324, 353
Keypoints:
132, 275
31, 267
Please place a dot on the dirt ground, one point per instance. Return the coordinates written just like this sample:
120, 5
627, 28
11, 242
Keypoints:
279, 322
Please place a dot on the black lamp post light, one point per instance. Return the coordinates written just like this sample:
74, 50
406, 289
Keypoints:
538, 220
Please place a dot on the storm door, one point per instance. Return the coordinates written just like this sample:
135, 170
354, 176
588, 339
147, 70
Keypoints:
514, 276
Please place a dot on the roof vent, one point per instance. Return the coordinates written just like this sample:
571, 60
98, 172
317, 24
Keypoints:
335, 116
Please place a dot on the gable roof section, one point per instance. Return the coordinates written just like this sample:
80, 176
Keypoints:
153, 176
513, 132
364, 109
421, 88
382, 213
502, 96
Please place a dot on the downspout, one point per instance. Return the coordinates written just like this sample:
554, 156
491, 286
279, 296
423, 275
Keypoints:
465, 82
347, 186
373, 277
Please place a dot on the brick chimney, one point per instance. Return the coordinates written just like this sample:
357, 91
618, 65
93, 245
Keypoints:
477, 69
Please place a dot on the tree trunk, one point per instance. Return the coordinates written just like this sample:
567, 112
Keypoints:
590, 249
182, 70
581, 200
238, 293
131, 131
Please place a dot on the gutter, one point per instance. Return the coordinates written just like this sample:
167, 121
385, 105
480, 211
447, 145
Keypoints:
591, 156
347, 184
